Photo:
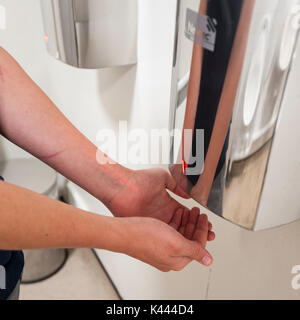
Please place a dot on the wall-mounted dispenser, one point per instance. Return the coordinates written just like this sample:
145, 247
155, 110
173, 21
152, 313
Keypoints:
234, 78
91, 34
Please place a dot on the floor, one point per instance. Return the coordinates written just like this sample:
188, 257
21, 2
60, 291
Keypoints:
82, 278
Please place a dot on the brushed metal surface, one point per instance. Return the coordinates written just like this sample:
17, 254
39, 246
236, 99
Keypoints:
235, 92
91, 34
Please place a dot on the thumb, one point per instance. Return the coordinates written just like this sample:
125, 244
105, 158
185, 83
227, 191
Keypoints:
196, 252
172, 185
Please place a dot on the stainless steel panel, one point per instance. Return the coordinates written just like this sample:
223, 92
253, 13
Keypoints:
91, 33
236, 68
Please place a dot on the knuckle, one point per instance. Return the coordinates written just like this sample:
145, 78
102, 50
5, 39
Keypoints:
181, 264
175, 248
178, 268
165, 270
198, 252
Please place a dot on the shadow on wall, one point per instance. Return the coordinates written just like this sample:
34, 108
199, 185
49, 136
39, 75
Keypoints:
2, 151
116, 91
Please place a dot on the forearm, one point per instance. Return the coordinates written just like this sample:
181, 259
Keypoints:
32, 221
29, 119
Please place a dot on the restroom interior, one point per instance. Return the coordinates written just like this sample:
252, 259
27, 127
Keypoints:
248, 265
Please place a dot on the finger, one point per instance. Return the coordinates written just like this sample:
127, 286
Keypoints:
184, 221
203, 226
162, 267
201, 232
181, 263
192, 223
211, 236
172, 208
196, 252
172, 185
169, 209
176, 219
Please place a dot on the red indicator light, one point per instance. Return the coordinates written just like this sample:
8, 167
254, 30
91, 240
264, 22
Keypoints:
46, 37
184, 166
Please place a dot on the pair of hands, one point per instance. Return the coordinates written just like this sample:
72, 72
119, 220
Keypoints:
162, 232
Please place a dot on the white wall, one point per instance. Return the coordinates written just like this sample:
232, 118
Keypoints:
247, 265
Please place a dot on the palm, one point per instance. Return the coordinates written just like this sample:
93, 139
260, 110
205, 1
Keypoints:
145, 195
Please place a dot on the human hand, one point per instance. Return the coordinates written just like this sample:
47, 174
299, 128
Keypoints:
144, 194
180, 178
159, 245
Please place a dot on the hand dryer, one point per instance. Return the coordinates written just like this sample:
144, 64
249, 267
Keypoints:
91, 34
236, 103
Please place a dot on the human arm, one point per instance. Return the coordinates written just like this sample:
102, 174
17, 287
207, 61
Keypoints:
30, 119
31, 221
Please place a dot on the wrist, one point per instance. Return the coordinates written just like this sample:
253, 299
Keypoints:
109, 178
114, 179
108, 233
96, 173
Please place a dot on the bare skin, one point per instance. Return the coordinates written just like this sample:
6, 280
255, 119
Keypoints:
29, 119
